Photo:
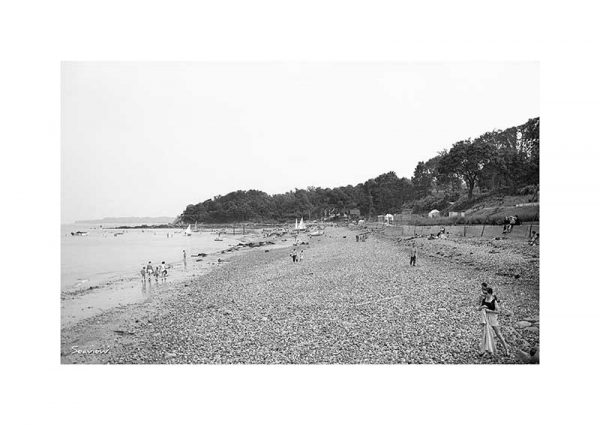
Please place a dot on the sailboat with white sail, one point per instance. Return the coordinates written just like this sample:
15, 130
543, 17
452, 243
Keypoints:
188, 231
301, 226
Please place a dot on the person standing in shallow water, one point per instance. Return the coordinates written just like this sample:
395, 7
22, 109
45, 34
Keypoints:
489, 306
156, 274
149, 270
294, 255
413, 254
143, 272
184, 260
163, 272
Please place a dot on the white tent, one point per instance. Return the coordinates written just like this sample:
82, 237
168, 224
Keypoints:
433, 213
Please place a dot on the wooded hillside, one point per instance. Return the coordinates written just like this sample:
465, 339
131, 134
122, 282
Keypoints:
505, 161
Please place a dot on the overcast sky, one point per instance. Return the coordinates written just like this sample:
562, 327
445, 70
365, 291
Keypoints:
147, 139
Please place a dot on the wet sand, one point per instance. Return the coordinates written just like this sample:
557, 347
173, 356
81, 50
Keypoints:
82, 303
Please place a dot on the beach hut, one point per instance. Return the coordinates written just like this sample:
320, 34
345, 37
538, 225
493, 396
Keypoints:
433, 214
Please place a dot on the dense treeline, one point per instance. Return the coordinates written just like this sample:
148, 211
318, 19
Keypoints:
505, 160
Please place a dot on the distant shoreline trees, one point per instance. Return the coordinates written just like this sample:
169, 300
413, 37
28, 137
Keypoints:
497, 160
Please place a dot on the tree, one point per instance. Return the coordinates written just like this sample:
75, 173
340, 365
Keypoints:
422, 180
467, 159
530, 144
427, 179
496, 159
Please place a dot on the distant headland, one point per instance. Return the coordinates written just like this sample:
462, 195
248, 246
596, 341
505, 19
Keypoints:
131, 220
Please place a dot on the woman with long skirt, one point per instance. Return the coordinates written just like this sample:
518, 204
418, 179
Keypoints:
489, 309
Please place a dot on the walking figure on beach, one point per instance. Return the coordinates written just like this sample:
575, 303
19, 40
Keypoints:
294, 255
413, 254
301, 255
489, 309
184, 260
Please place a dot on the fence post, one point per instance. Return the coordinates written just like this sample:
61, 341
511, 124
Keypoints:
530, 230
465, 231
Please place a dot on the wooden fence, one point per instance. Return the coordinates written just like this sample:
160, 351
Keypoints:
522, 231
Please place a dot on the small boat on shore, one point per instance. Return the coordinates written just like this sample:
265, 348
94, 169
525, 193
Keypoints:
301, 226
78, 233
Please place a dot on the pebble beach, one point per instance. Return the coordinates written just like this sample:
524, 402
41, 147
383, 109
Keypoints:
347, 302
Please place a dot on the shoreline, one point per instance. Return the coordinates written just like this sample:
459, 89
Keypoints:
348, 302
79, 303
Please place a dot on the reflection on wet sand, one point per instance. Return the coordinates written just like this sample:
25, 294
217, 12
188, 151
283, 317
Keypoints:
147, 289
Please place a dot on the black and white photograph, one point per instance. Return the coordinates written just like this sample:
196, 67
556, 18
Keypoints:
300, 213
317, 212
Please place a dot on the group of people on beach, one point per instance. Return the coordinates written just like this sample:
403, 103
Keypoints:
534, 239
488, 305
159, 272
510, 222
362, 237
297, 256
440, 235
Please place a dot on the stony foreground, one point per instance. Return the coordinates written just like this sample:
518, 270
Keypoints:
347, 302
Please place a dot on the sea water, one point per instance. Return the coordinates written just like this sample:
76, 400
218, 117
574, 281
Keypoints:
101, 256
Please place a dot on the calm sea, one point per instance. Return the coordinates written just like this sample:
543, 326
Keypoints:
102, 256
